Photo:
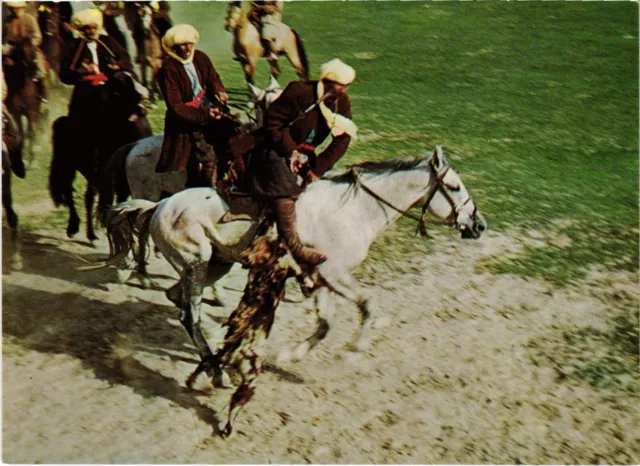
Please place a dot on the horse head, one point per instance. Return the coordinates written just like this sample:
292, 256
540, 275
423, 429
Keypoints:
125, 93
448, 198
235, 15
261, 99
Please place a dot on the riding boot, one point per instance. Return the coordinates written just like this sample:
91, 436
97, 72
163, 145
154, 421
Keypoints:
209, 174
286, 217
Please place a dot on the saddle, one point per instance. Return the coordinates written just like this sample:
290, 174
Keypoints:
241, 205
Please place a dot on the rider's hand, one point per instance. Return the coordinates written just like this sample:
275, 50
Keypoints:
297, 161
114, 67
223, 98
215, 113
91, 67
7, 49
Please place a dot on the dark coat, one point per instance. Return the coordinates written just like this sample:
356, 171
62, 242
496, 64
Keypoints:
181, 121
87, 100
268, 173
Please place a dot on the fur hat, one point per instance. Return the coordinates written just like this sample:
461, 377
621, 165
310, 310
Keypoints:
337, 71
179, 34
16, 4
86, 17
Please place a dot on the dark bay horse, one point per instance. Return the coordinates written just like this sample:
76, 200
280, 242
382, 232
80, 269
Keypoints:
123, 122
54, 18
23, 99
248, 46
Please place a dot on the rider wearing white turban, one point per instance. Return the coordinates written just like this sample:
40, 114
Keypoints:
306, 114
180, 34
88, 17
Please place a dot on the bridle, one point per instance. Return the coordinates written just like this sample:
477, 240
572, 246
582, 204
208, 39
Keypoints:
440, 186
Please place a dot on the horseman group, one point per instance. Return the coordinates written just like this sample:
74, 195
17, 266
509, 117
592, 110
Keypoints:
272, 163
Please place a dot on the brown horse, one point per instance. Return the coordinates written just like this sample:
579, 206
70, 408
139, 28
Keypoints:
23, 99
150, 54
248, 46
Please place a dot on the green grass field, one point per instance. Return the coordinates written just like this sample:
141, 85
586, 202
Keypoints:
535, 102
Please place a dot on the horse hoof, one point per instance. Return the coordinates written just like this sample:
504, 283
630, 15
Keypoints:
285, 356
92, 237
363, 346
225, 429
300, 352
145, 283
72, 229
382, 322
16, 262
222, 380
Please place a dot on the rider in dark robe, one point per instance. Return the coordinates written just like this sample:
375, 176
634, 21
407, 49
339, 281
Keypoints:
194, 122
300, 119
64, 11
88, 64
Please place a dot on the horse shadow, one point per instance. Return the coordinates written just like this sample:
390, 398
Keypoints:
102, 335
68, 324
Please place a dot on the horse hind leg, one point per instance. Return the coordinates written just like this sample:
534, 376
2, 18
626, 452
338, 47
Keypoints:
192, 286
12, 221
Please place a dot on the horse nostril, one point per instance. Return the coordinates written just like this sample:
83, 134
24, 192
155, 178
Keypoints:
481, 227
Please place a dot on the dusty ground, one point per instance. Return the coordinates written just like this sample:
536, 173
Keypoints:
93, 371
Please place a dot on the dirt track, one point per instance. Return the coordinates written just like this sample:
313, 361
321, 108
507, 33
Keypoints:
94, 371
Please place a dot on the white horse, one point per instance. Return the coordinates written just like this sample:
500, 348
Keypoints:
340, 215
140, 160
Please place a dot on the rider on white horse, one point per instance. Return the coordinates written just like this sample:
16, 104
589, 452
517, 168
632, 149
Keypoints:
304, 115
193, 92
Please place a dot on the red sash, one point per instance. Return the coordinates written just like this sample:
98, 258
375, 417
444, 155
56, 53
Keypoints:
195, 103
95, 79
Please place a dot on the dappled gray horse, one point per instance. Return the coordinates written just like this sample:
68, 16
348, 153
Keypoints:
340, 215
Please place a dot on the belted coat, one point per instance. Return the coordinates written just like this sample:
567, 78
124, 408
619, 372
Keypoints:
86, 99
181, 120
287, 127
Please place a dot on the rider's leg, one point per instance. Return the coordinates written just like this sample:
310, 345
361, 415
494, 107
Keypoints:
42, 80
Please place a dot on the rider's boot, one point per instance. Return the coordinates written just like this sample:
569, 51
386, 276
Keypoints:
209, 174
286, 217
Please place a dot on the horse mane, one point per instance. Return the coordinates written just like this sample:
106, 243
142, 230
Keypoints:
374, 167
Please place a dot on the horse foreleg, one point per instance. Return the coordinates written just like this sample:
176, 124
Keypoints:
324, 312
347, 287
73, 226
89, 197
249, 68
215, 271
12, 220
192, 286
274, 67
141, 268
250, 369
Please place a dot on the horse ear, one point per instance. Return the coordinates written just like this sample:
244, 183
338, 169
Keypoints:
438, 157
255, 91
273, 83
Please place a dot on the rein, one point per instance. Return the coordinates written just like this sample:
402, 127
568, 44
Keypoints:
421, 227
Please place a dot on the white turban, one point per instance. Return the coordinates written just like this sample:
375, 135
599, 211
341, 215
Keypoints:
179, 34
86, 17
16, 4
337, 71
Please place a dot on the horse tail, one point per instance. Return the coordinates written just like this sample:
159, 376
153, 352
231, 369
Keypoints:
62, 170
114, 179
124, 223
304, 61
